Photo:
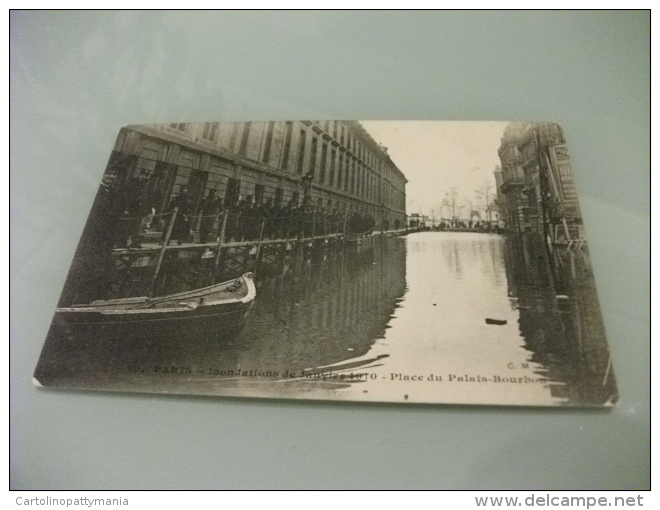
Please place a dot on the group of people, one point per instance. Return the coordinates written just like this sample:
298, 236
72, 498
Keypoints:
124, 214
136, 205
131, 209
247, 220
483, 226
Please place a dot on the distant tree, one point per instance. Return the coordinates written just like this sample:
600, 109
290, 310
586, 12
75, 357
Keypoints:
485, 194
451, 201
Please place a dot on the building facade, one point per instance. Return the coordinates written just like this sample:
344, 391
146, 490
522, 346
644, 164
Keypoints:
536, 189
350, 172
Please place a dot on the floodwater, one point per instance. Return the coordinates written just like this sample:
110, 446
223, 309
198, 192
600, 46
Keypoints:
444, 317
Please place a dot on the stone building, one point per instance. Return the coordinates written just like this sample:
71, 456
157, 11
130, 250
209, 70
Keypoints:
500, 201
266, 160
536, 189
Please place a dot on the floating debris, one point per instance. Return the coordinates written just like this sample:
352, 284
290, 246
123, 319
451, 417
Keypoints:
496, 322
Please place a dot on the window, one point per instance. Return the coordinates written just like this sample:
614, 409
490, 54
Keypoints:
324, 157
362, 179
244, 139
301, 152
233, 192
564, 171
312, 163
278, 196
355, 187
196, 186
234, 136
124, 166
210, 130
258, 194
332, 167
287, 145
268, 142
180, 127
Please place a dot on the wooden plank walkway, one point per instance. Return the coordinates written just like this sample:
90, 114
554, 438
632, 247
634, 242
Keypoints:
148, 248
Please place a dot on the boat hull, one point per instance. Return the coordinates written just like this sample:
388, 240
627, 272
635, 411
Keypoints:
200, 312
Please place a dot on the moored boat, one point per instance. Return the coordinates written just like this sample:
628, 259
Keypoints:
223, 307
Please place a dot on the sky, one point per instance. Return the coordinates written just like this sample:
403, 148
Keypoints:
438, 156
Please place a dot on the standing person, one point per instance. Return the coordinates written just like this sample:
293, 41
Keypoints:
335, 220
286, 219
233, 212
151, 197
139, 209
208, 224
276, 221
252, 220
266, 215
129, 222
90, 274
245, 218
181, 228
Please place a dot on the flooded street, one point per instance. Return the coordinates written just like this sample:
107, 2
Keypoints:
410, 314
452, 317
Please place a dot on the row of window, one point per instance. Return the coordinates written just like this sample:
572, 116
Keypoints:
351, 167
334, 129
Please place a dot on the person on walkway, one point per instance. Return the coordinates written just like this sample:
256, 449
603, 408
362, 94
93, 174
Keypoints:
181, 228
151, 198
244, 216
233, 212
208, 225
289, 216
266, 215
129, 220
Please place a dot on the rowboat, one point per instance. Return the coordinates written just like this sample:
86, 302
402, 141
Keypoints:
222, 308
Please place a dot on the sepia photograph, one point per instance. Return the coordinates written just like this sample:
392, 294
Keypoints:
420, 262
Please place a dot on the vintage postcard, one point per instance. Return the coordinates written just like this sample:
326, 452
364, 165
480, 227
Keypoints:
406, 262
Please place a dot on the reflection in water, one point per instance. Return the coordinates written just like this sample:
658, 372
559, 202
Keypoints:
394, 319
560, 319
329, 311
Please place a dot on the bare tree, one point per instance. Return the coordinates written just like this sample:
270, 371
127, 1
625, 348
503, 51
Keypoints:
451, 200
485, 193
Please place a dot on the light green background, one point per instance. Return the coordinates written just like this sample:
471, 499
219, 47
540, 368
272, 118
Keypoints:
76, 77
